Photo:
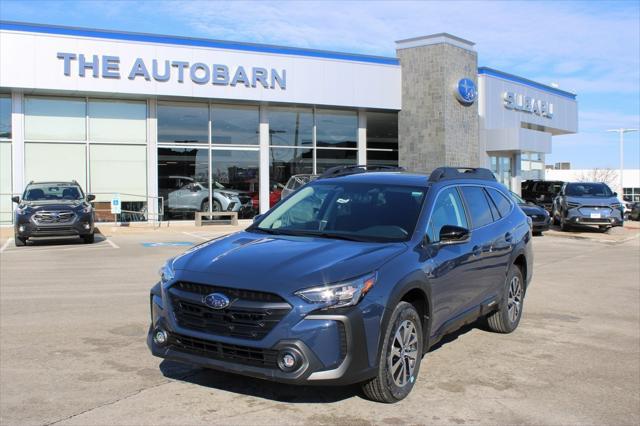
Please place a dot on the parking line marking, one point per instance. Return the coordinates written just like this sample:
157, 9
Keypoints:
6, 244
196, 236
111, 243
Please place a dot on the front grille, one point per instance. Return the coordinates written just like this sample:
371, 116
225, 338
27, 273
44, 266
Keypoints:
58, 230
586, 210
53, 217
251, 314
245, 355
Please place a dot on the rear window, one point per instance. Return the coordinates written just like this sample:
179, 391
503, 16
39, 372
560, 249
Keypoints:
502, 203
478, 206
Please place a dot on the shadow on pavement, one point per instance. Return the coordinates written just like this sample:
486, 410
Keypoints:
62, 241
256, 387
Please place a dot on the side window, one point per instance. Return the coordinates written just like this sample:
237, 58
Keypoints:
447, 210
503, 204
478, 205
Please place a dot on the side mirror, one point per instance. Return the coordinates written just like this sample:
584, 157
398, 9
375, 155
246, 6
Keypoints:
615, 194
450, 234
90, 197
194, 188
257, 218
15, 199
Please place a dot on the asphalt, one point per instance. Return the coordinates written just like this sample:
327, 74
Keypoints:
73, 321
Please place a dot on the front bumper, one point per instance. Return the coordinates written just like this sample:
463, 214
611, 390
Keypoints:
601, 216
81, 225
332, 348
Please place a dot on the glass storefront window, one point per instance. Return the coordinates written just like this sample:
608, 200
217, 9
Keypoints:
117, 121
532, 165
234, 124
382, 130
235, 181
56, 161
335, 128
382, 158
6, 206
55, 119
631, 194
286, 162
501, 168
5, 117
183, 123
290, 126
183, 181
327, 158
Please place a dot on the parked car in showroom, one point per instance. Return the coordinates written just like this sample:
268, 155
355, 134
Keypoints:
540, 218
349, 280
275, 193
53, 209
186, 194
541, 192
587, 204
296, 182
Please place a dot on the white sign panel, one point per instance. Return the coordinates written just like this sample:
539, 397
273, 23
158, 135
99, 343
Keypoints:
116, 204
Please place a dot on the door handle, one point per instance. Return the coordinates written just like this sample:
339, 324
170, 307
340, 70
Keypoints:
476, 251
508, 237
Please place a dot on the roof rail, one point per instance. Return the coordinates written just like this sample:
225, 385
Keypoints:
361, 168
446, 173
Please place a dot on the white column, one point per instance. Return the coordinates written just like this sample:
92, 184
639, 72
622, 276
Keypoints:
362, 137
17, 137
264, 159
152, 160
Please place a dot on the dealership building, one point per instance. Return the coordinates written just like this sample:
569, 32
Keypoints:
169, 123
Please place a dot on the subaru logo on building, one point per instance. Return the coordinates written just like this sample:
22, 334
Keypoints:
466, 91
216, 300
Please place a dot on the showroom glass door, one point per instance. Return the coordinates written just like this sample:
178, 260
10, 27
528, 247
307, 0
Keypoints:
235, 181
501, 168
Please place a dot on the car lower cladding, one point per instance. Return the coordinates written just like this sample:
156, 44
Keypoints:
342, 345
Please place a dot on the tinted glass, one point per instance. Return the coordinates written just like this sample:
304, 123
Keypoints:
478, 206
552, 187
117, 121
356, 211
286, 162
382, 130
327, 158
516, 198
52, 192
501, 202
5, 117
231, 124
336, 128
61, 119
588, 190
183, 123
291, 126
447, 210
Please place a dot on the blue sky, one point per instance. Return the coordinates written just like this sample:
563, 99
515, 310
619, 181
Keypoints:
590, 48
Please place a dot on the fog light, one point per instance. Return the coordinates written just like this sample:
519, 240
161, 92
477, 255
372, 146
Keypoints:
289, 360
21, 228
160, 337
87, 226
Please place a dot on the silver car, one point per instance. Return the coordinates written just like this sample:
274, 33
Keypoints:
192, 195
587, 203
295, 182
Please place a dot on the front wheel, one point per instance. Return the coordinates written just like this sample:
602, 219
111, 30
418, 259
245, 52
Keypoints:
400, 357
89, 239
507, 318
19, 241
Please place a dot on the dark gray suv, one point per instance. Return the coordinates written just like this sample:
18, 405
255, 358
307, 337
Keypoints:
50, 209
587, 203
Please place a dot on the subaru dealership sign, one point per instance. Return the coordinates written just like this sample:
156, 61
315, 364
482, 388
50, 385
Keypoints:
519, 102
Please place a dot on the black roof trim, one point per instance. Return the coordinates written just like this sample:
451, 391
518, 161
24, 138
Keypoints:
361, 168
448, 173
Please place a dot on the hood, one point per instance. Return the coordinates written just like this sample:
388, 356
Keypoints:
53, 204
593, 201
280, 263
530, 209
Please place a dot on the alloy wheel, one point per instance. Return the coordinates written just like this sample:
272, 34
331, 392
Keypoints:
404, 354
514, 302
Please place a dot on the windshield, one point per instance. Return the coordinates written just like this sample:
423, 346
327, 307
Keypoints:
53, 192
354, 211
550, 187
588, 190
515, 197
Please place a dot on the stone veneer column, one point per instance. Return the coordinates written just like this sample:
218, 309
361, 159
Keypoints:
434, 128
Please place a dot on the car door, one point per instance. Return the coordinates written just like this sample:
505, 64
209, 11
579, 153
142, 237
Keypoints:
480, 283
504, 228
446, 265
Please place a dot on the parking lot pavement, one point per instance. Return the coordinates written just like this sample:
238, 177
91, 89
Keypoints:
73, 320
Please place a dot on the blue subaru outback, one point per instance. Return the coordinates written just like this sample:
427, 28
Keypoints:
351, 279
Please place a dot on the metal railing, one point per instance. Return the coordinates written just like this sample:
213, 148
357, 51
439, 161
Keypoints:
126, 215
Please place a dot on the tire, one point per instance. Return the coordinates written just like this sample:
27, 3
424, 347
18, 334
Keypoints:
564, 226
537, 233
19, 241
384, 387
507, 318
603, 228
556, 221
217, 207
89, 239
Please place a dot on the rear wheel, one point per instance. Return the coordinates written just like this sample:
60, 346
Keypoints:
20, 242
507, 318
400, 357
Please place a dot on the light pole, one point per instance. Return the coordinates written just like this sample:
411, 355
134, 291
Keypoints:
621, 131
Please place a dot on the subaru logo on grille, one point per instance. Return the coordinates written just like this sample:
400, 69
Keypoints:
216, 300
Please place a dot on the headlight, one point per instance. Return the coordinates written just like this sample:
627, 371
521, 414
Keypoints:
573, 205
22, 209
227, 194
167, 274
346, 293
85, 209
616, 205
